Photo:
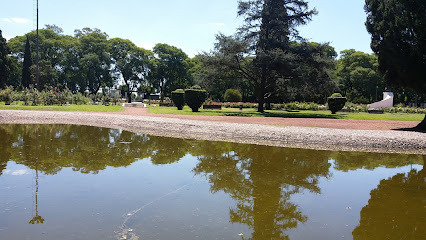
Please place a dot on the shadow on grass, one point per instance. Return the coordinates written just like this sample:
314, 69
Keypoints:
291, 114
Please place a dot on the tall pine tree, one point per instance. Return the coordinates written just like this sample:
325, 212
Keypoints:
26, 68
270, 26
5, 64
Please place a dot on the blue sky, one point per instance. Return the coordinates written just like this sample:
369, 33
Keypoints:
187, 24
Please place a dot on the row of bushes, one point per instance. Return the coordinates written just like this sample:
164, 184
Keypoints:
351, 107
52, 96
348, 107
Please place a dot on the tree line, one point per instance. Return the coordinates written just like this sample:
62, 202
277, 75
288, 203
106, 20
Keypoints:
89, 61
266, 60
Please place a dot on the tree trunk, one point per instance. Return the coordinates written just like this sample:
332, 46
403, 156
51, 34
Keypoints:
422, 124
260, 101
261, 91
129, 95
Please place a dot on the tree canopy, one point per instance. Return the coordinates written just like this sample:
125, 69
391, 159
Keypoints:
170, 69
269, 26
398, 37
358, 76
5, 65
131, 63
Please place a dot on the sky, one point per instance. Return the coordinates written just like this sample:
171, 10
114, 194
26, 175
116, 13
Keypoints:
187, 24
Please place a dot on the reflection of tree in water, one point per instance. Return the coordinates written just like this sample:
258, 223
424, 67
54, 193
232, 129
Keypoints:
85, 149
167, 150
397, 208
6, 141
347, 161
261, 180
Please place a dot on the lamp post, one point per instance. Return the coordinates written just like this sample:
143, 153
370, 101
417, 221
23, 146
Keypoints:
37, 57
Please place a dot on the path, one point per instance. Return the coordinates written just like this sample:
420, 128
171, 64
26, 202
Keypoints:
276, 121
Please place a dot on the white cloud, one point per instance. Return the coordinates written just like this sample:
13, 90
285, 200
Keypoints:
20, 20
220, 24
145, 45
19, 172
16, 20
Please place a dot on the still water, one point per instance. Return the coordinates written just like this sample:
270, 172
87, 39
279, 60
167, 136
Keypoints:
78, 182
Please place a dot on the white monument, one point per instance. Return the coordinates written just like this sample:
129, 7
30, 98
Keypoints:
386, 102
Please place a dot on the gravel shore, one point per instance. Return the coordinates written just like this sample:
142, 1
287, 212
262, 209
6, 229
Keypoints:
289, 136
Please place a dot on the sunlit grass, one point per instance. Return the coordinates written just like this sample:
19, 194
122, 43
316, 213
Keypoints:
251, 112
76, 108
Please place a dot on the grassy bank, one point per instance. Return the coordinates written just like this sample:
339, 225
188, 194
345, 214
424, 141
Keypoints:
76, 108
251, 112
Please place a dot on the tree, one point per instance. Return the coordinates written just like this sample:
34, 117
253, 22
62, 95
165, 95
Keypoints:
212, 74
94, 59
170, 70
358, 76
232, 95
52, 48
131, 63
398, 33
47, 74
269, 27
315, 62
5, 65
26, 68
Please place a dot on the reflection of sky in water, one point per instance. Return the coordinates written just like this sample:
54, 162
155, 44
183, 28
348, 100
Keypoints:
92, 183
18, 172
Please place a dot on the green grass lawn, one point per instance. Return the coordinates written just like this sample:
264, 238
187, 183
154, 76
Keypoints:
250, 112
77, 108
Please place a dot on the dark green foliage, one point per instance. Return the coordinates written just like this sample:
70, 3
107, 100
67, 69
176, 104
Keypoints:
170, 69
232, 95
336, 102
358, 76
195, 98
26, 67
398, 30
269, 27
5, 64
131, 63
178, 98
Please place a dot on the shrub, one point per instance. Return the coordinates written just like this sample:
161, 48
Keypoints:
48, 98
25, 96
336, 102
61, 97
351, 107
301, 106
232, 95
7, 95
195, 98
79, 99
178, 98
35, 97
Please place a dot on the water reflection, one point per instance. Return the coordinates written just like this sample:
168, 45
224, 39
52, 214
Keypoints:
397, 209
260, 180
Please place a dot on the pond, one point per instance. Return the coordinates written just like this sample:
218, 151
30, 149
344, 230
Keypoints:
79, 182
